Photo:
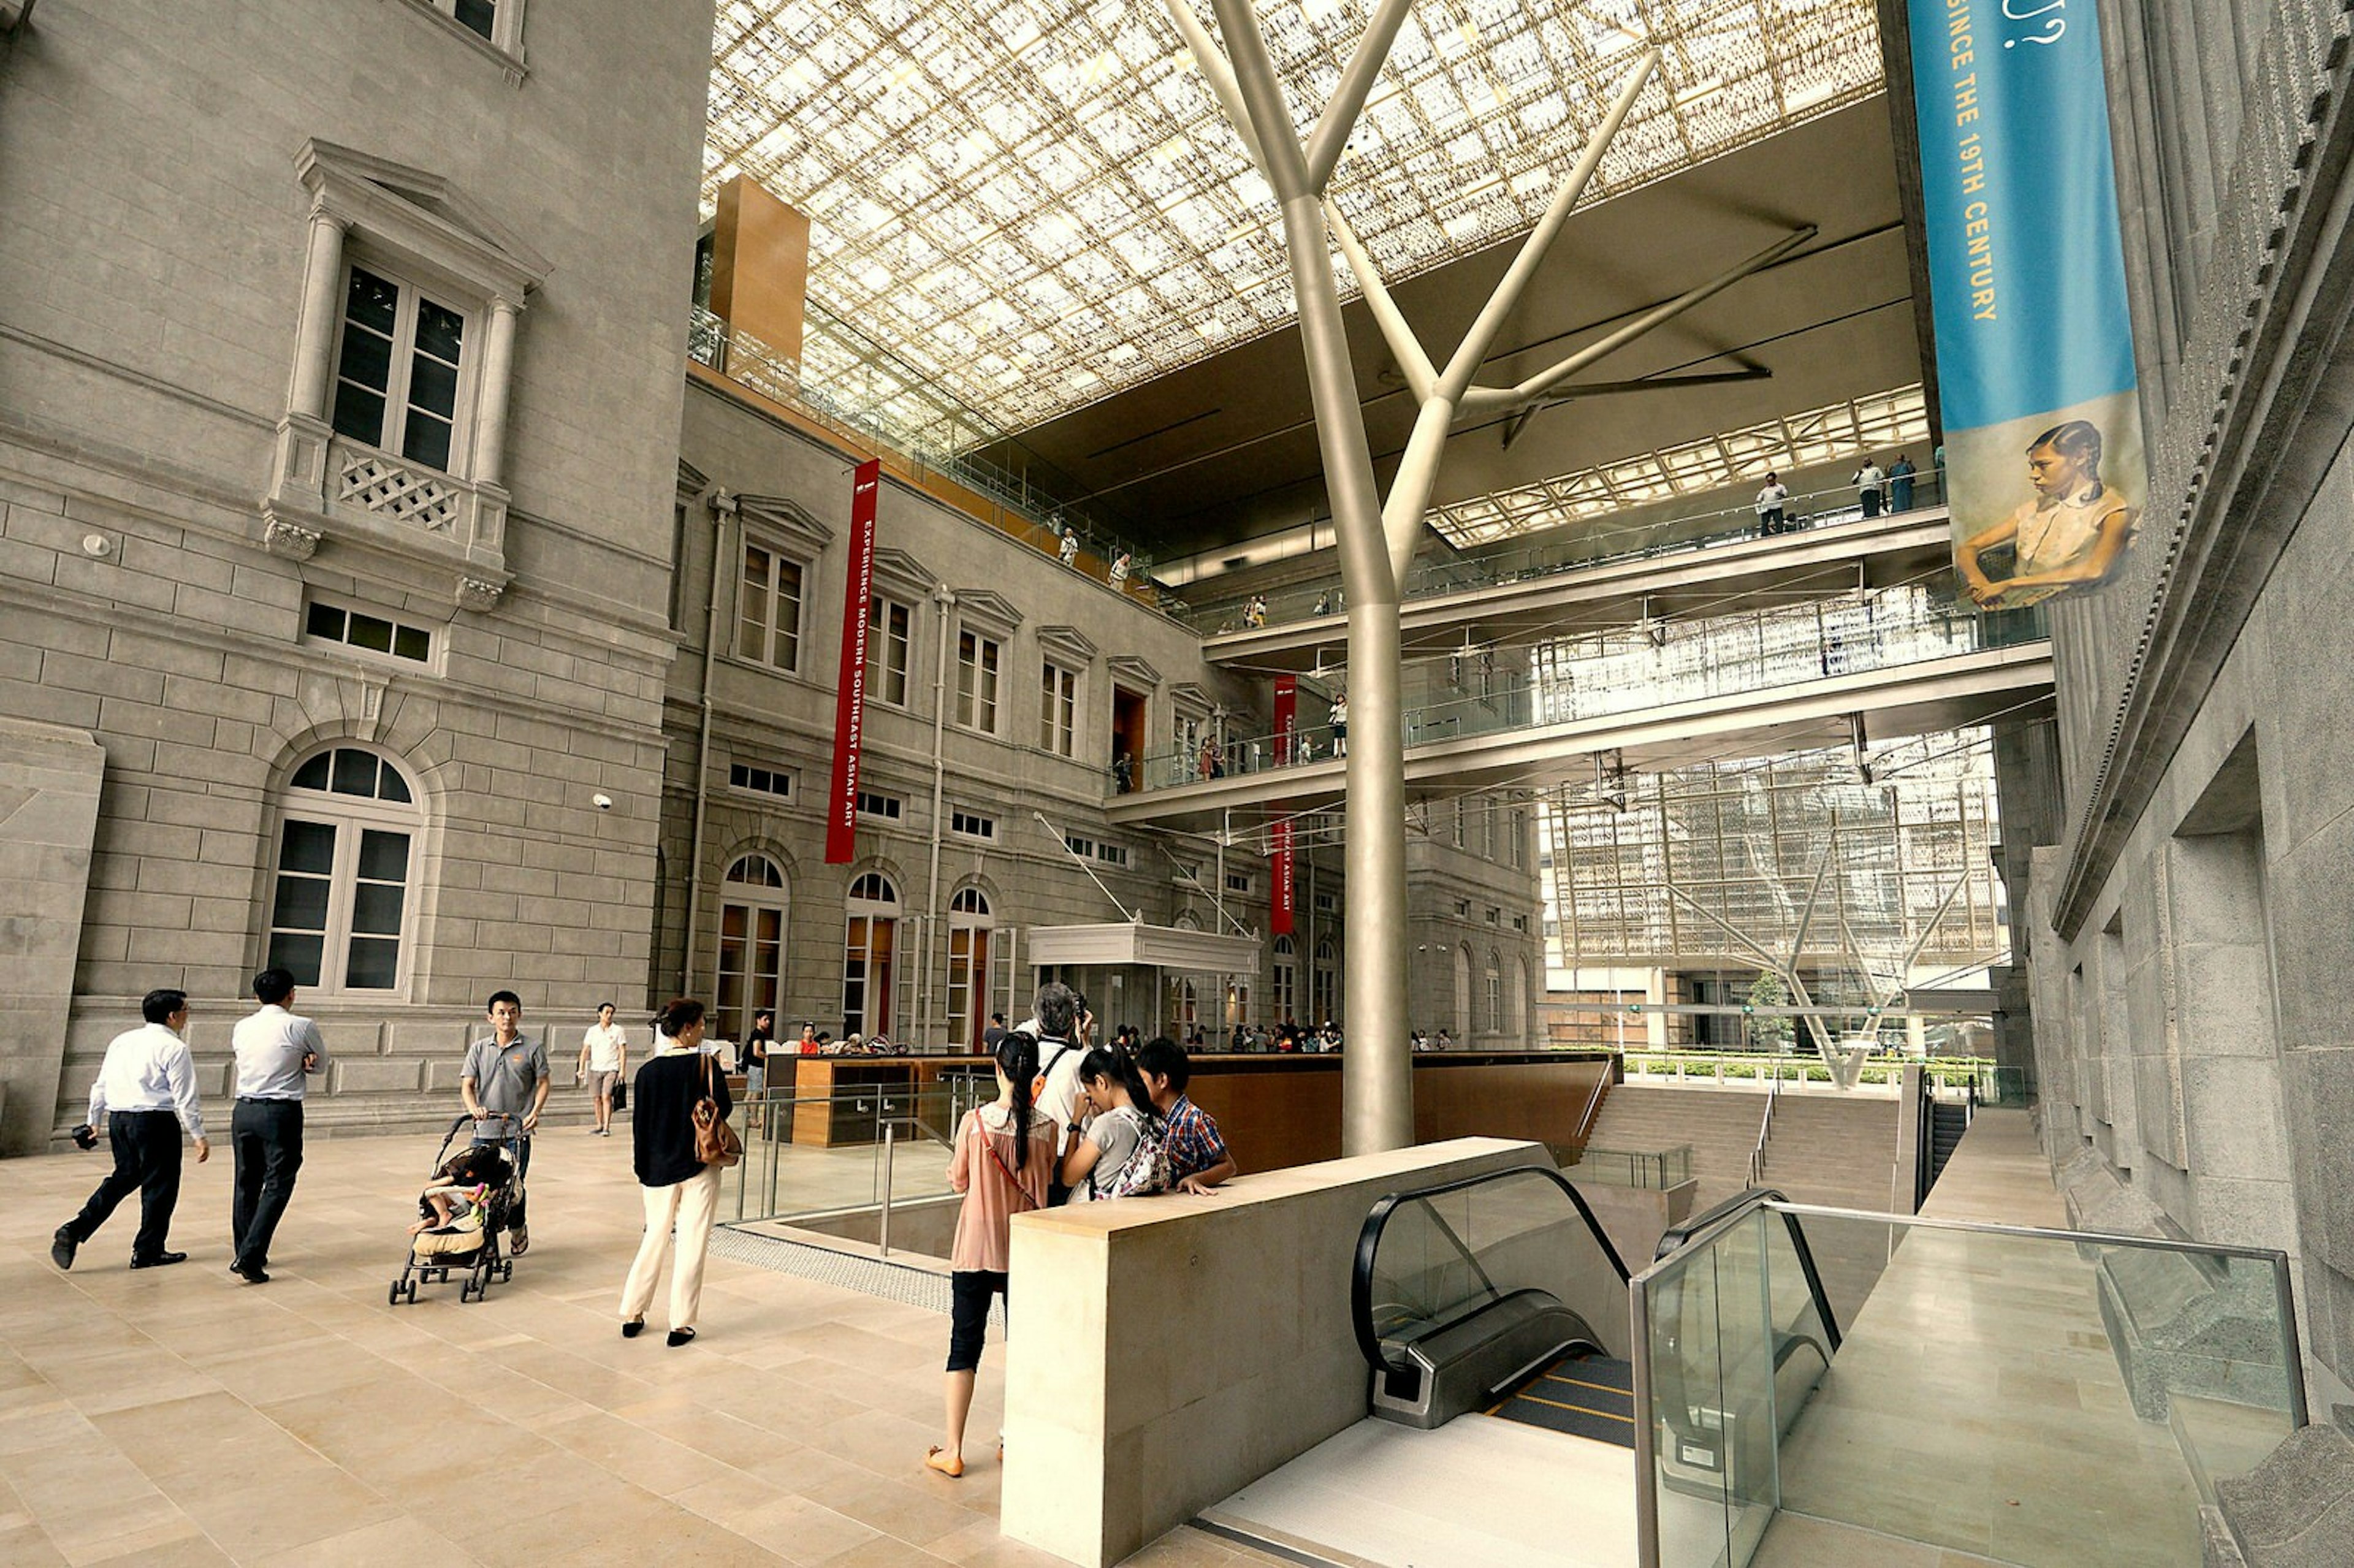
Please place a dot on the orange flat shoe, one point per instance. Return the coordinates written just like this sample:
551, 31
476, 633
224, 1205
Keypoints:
934, 1459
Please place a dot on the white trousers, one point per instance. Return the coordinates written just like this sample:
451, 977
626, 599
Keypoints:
689, 1204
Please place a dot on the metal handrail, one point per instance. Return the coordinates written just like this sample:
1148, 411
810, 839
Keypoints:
1764, 1130
1369, 1241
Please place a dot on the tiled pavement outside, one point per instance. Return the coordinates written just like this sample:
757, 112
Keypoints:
178, 1416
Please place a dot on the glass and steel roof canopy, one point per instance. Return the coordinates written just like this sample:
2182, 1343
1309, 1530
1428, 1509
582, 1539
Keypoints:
1036, 203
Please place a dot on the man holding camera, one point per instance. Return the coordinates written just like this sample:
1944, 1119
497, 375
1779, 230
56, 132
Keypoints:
146, 1090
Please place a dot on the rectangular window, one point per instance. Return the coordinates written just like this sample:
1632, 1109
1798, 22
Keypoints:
972, 825
397, 372
1326, 903
373, 633
1083, 848
887, 644
340, 895
768, 610
1058, 711
1237, 882
977, 659
1112, 855
1520, 922
874, 803
1495, 917
773, 781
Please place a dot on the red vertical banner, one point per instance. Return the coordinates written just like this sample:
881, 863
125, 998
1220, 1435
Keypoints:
1286, 727
849, 690
1279, 902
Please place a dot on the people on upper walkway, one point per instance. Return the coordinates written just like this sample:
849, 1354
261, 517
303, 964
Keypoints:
1868, 481
1900, 483
1771, 500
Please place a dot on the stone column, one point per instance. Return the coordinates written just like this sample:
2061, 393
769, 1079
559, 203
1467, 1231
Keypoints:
498, 369
322, 276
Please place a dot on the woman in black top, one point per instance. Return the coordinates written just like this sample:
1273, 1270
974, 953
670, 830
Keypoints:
679, 1189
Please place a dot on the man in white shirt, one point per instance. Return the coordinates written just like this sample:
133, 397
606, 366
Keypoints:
276, 1053
604, 1057
1061, 1018
1770, 502
1868, 481
146, 1090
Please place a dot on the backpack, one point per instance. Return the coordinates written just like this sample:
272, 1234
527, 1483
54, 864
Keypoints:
1148, 1169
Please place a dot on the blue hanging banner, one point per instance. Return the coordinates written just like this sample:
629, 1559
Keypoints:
2043, 462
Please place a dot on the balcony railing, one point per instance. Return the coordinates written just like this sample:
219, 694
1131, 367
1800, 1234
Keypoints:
1634, 671
1721, 522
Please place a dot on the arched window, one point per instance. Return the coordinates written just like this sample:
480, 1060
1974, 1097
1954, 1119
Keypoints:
1463, 992
969, 924
1286, 981
753, 908
1325, 985
867, 970
347, 864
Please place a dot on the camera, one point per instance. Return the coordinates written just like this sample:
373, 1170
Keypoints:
85, 1137
604, 802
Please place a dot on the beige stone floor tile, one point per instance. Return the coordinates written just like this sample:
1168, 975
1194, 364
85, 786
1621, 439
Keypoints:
169, 1531
392, 1543
190, 1552
906, 1510
296, 1507
803, 1531
885, 1552
25, 1546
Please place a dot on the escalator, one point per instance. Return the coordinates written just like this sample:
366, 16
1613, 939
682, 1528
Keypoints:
1499, 1295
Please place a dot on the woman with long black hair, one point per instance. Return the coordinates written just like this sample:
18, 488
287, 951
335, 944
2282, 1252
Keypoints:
1004, 1158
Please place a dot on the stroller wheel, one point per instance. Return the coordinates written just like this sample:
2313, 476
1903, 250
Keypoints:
466, 1291
412, 1291
392, 1298
506, 1272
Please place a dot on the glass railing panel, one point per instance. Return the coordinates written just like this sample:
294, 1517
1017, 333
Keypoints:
1707, 1382
1438, 1257
1651, 1169
826, 1162
2039, 1398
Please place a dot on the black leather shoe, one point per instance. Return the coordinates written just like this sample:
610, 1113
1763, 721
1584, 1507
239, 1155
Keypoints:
634, 1328
61, 1247
161, 1260
249, 1274
678, 1337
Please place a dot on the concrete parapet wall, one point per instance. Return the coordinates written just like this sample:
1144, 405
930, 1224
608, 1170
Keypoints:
1168, 1352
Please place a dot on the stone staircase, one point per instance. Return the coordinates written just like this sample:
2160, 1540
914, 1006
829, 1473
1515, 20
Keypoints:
1837, 1152
1721, 1125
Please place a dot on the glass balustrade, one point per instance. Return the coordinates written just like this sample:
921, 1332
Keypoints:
2038, 1397
867, 1165
1563, 550
1651, 1169
1638, 671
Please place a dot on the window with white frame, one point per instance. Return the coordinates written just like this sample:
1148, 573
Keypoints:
1326, 982
368, 632
772, 781
498, 23
751, 974
345, 868
970, 928
868, 963
874, 803
888, 642
1238, 881
769, 608
1058, 710
1495, 979
977, 669
972, 825
1286, 981
398, 368
1327, 904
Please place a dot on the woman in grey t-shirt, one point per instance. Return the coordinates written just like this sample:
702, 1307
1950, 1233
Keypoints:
1125, 1130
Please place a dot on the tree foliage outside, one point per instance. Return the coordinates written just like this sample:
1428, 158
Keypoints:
1769, 1033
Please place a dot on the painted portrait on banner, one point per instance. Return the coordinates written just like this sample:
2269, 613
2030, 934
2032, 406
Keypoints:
2044, 466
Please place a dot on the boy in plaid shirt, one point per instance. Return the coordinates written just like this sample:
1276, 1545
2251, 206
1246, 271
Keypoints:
1197, 1155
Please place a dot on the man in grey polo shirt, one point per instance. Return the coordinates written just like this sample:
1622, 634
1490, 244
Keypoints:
276, 1052
506, 1083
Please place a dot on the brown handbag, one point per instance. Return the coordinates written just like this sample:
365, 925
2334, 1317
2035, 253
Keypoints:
716, 1142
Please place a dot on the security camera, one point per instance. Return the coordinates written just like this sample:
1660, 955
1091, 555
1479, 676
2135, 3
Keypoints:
604, 802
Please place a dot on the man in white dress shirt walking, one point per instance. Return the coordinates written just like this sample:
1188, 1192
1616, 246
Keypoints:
276, 1052
146, 1090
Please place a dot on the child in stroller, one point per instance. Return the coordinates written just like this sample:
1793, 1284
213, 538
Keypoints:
463, 1212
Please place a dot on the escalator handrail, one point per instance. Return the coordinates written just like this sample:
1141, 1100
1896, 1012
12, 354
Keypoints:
1369, 1241
1677, 1237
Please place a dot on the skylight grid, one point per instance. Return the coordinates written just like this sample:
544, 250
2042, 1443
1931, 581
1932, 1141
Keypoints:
1037, 202
1832, 433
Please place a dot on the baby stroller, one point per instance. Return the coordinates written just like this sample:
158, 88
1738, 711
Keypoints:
472, 1244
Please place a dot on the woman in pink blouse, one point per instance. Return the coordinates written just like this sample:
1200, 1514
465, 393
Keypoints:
1004, 1158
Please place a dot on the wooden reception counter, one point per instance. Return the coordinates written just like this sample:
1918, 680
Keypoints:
1279, 1110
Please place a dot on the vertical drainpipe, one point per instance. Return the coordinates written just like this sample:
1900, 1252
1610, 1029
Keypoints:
722, 508
946, 598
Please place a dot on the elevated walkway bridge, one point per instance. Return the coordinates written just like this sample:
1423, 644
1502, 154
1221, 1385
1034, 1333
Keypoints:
1540, 593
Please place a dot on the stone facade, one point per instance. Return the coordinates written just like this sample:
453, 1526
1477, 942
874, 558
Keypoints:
750, 477
2189, 960
190, 544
